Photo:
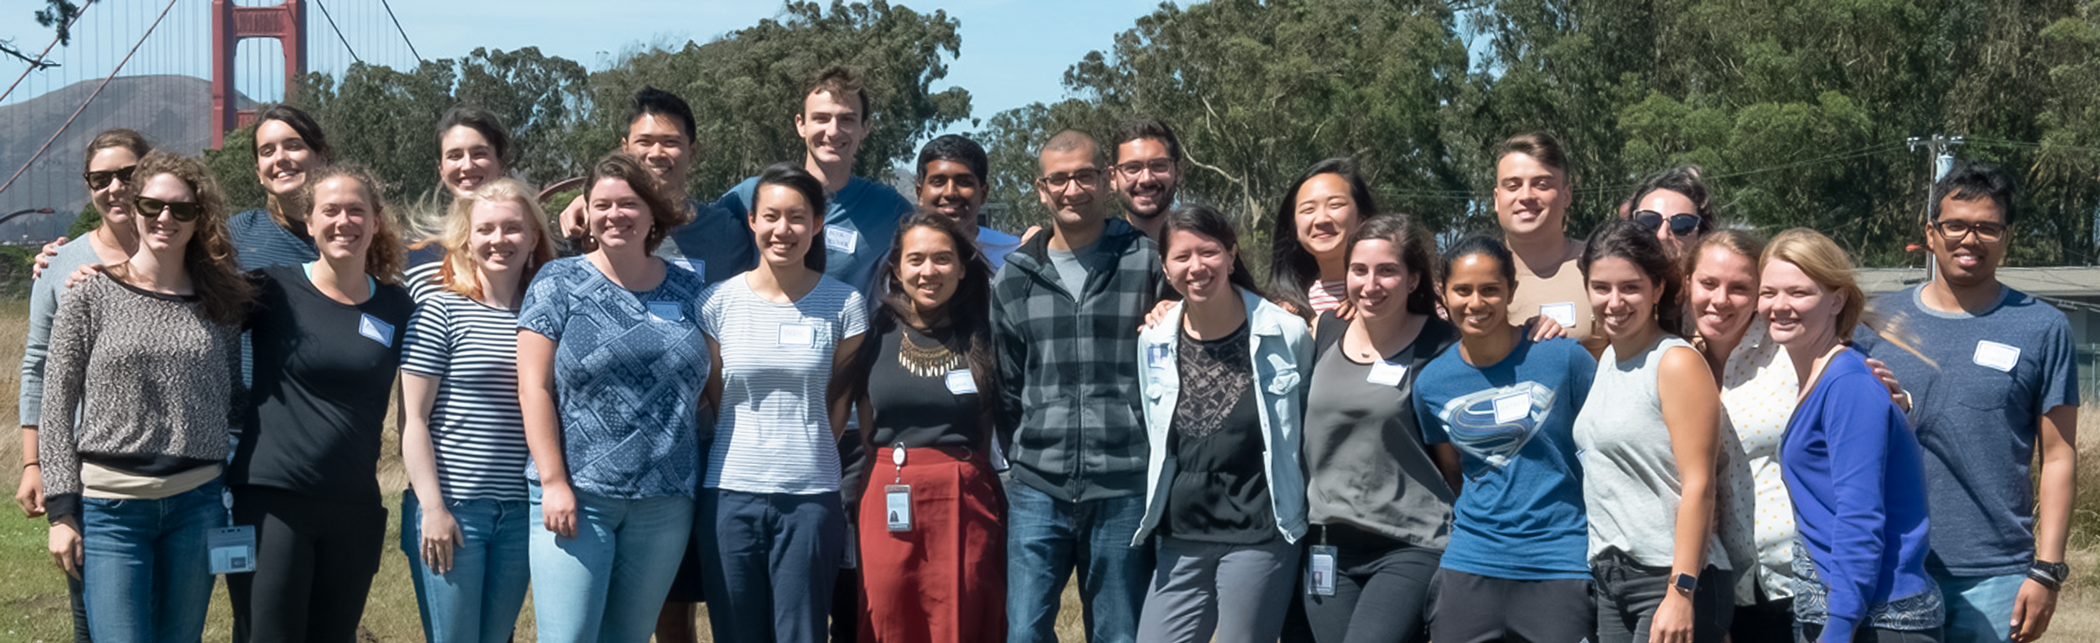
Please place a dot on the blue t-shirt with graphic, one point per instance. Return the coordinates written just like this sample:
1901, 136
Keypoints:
860, 223
1979, 385
1521, 515
628, 370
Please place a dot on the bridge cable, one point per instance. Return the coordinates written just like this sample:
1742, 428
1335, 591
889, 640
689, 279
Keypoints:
338, 31
90, 99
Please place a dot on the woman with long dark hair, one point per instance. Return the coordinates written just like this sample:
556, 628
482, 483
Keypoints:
1309, 233
1223, 395
926, 384
473, 150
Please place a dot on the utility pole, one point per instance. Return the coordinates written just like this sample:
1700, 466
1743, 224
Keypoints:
1937, 164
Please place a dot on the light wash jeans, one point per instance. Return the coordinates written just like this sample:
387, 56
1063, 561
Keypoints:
1979, 608
608, 583
148, 570
479, 599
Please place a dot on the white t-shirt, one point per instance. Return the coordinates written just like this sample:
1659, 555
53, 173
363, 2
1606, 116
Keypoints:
774, 435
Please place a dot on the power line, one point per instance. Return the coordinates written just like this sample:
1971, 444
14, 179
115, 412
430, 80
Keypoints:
338, 32
91, 97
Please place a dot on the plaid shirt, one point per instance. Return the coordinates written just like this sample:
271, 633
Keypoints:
1069, 366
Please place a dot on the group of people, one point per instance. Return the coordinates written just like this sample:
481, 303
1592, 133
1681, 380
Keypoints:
835, 413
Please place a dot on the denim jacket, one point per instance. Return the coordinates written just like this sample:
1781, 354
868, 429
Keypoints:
1282, 352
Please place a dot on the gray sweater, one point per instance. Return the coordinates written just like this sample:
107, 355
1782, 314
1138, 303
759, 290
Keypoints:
153, 380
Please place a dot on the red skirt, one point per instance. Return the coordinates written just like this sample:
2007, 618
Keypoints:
944, 581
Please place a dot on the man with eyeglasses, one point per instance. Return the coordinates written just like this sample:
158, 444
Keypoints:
1147, 171
1063, 310
953, 181
1993, 377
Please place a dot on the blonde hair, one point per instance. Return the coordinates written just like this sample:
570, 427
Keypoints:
384, 258
1826, 264
456, 271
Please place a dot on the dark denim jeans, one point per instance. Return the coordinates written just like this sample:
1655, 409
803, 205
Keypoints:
1046, 538
148, 574
1628, 593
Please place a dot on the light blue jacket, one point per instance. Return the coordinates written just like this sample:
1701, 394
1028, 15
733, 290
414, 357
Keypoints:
1282, 352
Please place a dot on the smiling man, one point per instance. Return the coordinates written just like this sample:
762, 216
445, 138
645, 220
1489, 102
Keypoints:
953, 181
1993, 379
1147, 172
1532, 191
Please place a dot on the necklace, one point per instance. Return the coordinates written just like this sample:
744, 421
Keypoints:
924, 361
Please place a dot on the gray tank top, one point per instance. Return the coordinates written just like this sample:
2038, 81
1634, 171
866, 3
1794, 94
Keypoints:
1630, 480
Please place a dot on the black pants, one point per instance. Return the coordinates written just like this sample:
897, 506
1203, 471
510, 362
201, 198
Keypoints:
314, 562
1483, 609
1812, 632
1382, 589
1628, 593
1768, 620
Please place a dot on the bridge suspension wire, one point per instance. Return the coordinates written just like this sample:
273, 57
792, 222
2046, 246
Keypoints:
404, 32
47, 52
338, 31
90, 99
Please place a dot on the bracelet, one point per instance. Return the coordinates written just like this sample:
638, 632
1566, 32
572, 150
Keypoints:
27, 465
2044, 580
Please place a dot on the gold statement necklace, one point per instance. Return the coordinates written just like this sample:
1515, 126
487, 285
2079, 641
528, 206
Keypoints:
924, 361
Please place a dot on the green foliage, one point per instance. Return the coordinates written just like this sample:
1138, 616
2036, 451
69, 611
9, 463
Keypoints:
233, 166
89, 219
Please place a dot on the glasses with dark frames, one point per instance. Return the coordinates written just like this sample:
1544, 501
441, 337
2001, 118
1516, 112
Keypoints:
1680, 224
183, 211
99, 179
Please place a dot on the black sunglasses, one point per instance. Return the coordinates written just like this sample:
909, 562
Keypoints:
99, 180
183, 211
1680, 224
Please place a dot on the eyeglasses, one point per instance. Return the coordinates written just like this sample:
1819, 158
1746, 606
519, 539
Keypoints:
1680, 224
1057, 182
1955, 230
1158, 167
101, 179
183, 211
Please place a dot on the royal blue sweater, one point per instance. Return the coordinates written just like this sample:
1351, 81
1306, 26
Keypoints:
1857, 477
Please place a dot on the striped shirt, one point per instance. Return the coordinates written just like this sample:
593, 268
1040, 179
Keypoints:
1327, 295
260, 243
475, 425
421, 280
774, 435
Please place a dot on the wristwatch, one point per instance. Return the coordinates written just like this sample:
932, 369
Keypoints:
2050, 575
1686, 583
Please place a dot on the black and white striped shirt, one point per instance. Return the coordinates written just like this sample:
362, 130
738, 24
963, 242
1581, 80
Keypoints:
475, 426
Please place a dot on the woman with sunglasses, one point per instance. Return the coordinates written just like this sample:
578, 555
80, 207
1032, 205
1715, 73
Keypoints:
111, 175
142, 384
1673, 205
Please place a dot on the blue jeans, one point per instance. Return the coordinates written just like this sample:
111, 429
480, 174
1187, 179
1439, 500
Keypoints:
1046, 538
480, 598
609, 582
1979, 608
773, 563
148, 571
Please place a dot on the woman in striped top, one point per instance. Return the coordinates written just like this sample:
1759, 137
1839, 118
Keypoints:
1318, 212
464, 519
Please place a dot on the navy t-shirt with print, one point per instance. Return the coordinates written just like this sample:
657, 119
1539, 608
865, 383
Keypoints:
628, 370
1979, 385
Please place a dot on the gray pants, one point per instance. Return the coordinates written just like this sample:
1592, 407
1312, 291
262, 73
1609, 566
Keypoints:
1483, 609
1628, 593
1238, 592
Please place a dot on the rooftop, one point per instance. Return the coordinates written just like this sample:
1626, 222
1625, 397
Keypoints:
2064, 281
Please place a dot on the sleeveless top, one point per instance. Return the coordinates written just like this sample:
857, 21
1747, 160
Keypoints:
1630, 480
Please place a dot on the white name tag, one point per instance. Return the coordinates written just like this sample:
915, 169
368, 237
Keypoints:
1510, 408
1386, 373
798, 335
1319, 571
897, 506
232, 549
961, 383
2003, 358
841, 239
1562, 313
378, 331
666, 311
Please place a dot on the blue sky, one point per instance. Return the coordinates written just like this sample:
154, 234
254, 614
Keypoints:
1014, 51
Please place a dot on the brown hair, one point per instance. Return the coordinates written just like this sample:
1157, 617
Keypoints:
1743, 243
209, 255
663, 215
385, 256
456, 272
839, 82
1416, 250
1537, 145
112, 138
1825, 263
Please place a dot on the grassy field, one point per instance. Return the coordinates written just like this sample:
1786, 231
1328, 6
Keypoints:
33, 597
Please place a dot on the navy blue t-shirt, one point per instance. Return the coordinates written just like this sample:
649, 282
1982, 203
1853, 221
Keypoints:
860, 222
1521, 515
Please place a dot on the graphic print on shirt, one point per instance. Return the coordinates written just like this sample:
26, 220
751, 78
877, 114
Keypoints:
1494, 424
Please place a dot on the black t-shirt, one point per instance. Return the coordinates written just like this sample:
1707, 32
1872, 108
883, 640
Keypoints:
909, 388
324, 373
1220, 491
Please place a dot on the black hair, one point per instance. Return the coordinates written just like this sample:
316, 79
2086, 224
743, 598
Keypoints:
1480, 244
1292, 270
1637, 245
481, 121
1416, 253
1143, 126
653, 101
1683, 179
1207, 221
812, 190
951, 147
1972, 180
968, 311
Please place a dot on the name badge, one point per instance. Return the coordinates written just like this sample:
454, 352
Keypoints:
798, 335
1386, 373
666, 311
2003, 358
1510, 408
841, 239
376, 330
1562, 313
695, 266
1156, 356
961, 383
232, 549
897, 506
1319, 571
